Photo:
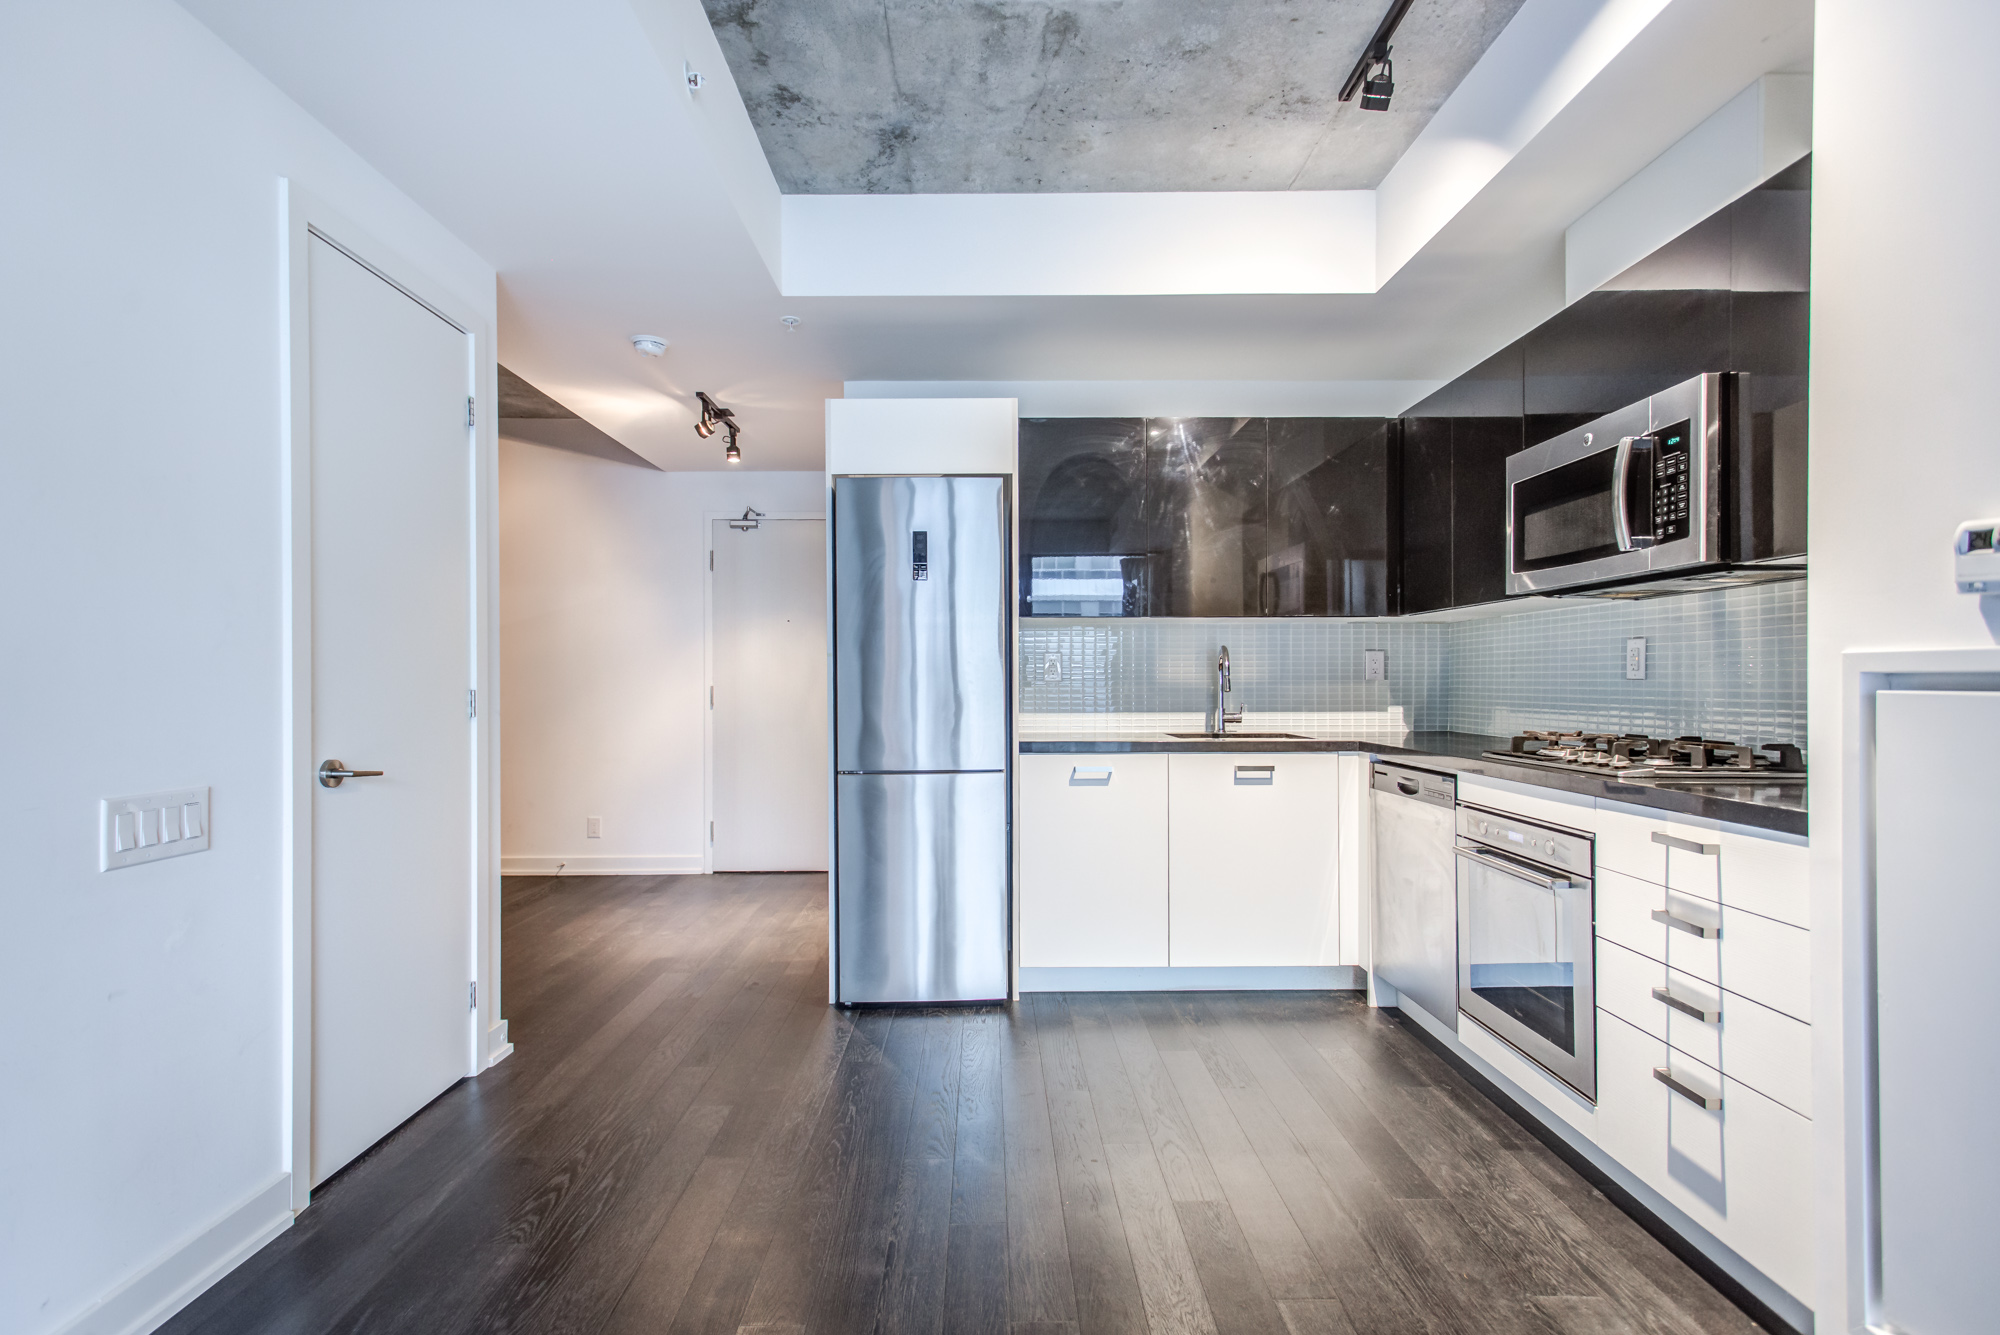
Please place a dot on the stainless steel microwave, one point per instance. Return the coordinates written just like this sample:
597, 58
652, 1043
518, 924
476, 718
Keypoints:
1658, 497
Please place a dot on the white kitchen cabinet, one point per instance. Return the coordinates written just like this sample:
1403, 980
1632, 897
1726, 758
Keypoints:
1742, 1170
1253, 859
1093, 878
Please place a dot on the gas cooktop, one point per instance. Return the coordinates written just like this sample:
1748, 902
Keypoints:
1637, 758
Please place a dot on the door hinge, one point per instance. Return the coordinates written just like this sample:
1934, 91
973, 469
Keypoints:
711, 832
472, 704
475, 996
711, 697
711, 560
468, 410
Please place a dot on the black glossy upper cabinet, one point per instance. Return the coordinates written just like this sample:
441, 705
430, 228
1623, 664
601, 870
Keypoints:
1454, 503
1205, 516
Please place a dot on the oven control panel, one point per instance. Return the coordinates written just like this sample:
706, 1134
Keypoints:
1672, 464
1565, 850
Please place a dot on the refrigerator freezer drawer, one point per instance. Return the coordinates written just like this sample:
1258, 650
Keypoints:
923, 887
921, 623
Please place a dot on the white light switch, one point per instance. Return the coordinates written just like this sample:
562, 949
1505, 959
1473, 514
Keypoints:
1635, 658
151, 826
593, 827
1375, 664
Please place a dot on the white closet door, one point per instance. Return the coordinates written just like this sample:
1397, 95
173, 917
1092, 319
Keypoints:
768, 656
1937, 915
391, 664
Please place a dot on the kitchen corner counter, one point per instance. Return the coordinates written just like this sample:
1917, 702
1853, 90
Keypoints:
1780, 808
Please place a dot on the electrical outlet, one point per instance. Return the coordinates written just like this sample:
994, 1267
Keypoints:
1052, 668
1635, 658
1375, 665
593, 827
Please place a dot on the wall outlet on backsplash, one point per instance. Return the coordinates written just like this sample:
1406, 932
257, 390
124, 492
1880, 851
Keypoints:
1052, 668
1635, 658
1375, 665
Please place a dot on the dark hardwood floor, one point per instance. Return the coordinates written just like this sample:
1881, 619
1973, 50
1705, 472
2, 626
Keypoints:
688, 1138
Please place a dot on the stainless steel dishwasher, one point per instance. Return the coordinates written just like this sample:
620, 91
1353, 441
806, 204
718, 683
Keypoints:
1416, 893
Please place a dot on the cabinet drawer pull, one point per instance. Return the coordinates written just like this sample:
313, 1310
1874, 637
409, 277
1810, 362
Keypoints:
1096, 775
1679, 924
1666, 998
1665, 1075
1256, 773
1686, 845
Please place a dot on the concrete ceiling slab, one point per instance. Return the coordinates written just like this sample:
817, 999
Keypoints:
1003, 96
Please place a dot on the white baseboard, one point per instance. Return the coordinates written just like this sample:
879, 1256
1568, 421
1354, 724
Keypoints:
498, 1049
640, 864
144, 1302
1302, 978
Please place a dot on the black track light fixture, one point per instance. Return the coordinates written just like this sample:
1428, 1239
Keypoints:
1373, 76
715, 418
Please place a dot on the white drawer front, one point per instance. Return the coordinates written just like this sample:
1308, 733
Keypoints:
1769, 1051
1625, 844
1768, 877
1093, 874
1625, 983
1624, 913
1767, 961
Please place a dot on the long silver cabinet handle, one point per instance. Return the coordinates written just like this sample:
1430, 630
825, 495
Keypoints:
1666, 998
1679, 924
1685, 845
1665, 1075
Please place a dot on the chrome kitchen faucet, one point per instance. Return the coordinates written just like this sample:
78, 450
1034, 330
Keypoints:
1224, 716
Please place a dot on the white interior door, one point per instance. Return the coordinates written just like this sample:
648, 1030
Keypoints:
769, 732
392, 871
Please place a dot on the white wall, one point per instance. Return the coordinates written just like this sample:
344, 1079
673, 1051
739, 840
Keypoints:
144, 1051
602, 567
1906, 283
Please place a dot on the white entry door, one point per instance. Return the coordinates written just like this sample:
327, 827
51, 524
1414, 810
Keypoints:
392, 867
768, 656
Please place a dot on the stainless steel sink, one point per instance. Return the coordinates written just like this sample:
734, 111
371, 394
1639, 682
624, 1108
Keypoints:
1246, 736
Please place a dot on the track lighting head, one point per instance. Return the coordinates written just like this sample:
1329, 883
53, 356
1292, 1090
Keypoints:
1381, 84
715, 418
1372, 75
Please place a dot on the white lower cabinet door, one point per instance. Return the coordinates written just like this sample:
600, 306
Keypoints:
1737, 1163
1254, 864
1093, 861
1631, 1104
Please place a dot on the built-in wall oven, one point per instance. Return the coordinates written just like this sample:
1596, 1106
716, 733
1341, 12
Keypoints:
1526, 940
1676, 491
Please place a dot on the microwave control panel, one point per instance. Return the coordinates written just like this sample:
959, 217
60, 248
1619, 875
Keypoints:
1671, 463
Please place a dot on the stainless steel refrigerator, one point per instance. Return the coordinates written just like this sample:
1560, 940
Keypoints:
921, 726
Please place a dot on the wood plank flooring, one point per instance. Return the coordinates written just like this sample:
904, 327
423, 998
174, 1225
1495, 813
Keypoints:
689, 1139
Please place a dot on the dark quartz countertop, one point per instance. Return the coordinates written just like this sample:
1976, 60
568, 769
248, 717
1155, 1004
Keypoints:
1777, 807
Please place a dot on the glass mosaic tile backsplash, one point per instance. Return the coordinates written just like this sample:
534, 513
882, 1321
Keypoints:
1727, 664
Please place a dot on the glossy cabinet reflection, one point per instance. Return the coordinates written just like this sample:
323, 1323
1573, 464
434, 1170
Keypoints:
1205, 516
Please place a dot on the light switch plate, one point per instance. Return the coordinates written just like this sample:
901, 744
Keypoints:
1052, 668
151, 826
593, 827
1635, 658
1375, 664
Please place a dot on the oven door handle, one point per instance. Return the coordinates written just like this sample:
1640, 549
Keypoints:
1493, 857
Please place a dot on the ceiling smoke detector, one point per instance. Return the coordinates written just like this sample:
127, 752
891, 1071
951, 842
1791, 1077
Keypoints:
652, 345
